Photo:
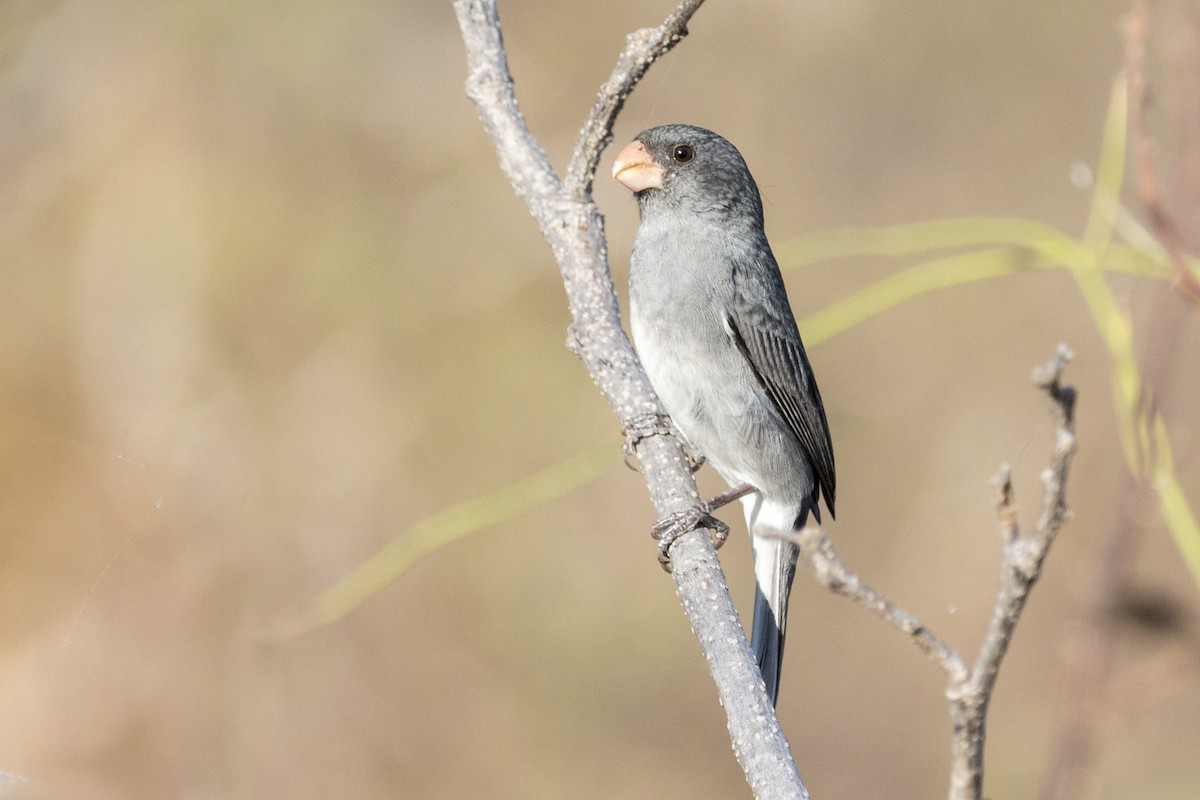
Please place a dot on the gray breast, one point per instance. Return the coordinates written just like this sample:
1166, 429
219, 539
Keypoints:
677, 313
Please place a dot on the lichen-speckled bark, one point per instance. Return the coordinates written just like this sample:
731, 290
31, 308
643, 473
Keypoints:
574, 228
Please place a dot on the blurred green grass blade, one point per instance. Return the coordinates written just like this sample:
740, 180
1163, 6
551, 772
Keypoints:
1144, 258
959, 270
1137, 433
444, 527
1175, 509
1024, 244
1110, 172
1133, 231
1135, 261
1010, 246
1114, 325
1030, 245
899, 240
923, 237
908, 284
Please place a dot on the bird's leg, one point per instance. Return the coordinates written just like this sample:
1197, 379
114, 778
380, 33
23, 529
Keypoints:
672, 526
727, 497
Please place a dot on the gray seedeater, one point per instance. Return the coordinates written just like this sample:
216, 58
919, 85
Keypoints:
714, 330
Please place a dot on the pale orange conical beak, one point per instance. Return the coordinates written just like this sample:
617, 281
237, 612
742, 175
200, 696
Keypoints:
635, 169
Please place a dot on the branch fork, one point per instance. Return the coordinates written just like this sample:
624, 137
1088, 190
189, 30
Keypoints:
969, 688
574, 228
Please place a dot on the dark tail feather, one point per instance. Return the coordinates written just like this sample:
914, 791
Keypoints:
769, 628
767, 643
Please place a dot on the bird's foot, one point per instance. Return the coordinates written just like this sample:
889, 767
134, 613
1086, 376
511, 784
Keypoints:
643, 426
668, 529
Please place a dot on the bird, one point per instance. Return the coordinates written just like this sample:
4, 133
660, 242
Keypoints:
715, 332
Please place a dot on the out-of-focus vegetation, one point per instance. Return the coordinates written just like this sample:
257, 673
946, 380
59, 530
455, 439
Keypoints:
271, 304
1048, 249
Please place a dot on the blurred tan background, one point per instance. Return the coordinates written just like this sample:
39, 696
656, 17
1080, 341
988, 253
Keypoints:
269, 301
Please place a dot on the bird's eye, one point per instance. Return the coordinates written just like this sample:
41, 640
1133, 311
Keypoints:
683, 153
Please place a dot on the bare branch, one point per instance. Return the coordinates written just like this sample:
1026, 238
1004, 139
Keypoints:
835, 576
574, 228
642, 48
1020, 566
970, 690
490, 88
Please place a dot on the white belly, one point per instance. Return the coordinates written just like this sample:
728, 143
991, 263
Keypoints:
715, 401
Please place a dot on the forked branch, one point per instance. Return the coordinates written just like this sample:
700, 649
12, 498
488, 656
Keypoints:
572, 225
969, 689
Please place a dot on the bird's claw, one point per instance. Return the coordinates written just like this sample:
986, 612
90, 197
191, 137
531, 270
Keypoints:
668, 529
643, 426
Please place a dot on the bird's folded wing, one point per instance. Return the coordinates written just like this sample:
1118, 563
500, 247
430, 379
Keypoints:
781, 366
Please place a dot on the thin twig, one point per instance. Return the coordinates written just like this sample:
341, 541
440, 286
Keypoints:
1020, 566
832, 573
642, 48
573, 227
1136, 30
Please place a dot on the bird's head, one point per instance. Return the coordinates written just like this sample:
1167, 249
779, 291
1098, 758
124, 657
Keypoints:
689, 169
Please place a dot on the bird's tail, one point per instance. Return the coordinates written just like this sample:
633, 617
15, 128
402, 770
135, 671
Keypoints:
774, 569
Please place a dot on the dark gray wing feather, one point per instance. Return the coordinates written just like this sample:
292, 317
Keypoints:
770, 342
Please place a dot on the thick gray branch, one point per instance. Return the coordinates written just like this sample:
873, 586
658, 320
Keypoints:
574, 229
490, 88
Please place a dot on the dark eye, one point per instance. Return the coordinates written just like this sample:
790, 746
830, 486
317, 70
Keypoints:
683, 153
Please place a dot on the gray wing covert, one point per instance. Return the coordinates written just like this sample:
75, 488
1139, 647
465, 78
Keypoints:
770, 342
